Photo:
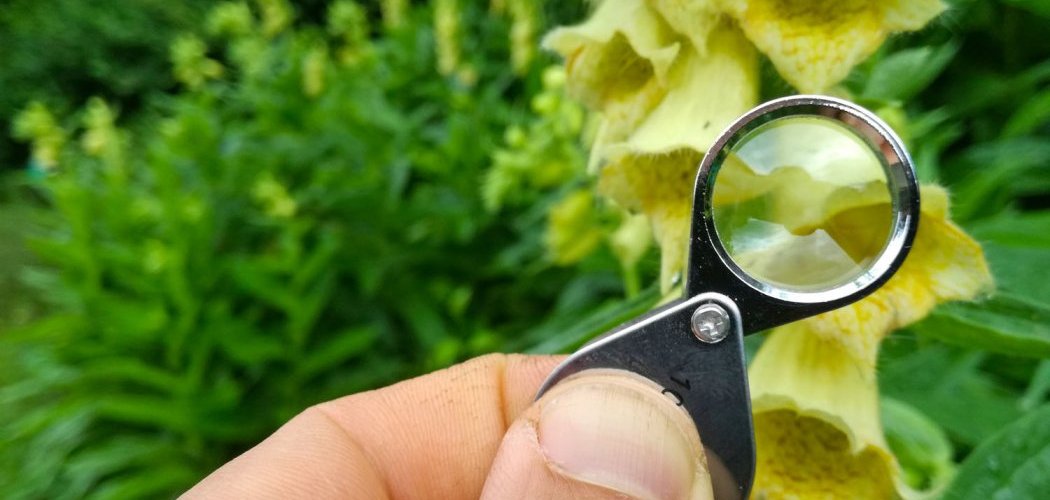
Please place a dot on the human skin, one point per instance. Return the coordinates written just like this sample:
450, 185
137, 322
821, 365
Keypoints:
474, 431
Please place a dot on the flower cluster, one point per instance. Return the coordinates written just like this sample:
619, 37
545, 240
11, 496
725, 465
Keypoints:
666, 76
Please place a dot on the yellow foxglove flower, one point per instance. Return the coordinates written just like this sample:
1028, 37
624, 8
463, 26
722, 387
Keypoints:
652, 170
629, 243
813, 383
815, 43
446, 35
572, 233
663, 97
232, 19
617, 63
693, 19
274, 197
705, 93
666, 76
101, 137
313, 70
37, 125
394, 12
276, 16
522, 32
191, 64
348, 20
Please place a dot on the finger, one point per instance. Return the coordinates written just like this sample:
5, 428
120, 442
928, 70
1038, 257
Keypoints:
601, 434
434, 436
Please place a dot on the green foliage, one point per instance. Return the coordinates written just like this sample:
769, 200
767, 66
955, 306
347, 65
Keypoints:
303, 220
920, 445
542, 157
307, 208
1015, 321
63, 51
18, 305
1012, 464
967, 96
1005, 324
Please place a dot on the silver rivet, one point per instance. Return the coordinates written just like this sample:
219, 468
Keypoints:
710, 323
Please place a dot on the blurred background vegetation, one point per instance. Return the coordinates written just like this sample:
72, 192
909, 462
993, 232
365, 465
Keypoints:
213, 215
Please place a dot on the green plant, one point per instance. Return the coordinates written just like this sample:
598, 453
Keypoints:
303, 220
63, 51
316, 210
977, 121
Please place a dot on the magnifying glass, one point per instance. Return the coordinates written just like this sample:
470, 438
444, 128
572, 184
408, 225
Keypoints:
803, 205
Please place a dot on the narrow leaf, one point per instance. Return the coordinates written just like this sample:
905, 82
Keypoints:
344, 346
946, 384
920, 445
1005, 324
921, 65
1011, 464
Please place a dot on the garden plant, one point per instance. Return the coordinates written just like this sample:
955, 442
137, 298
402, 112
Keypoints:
215, 215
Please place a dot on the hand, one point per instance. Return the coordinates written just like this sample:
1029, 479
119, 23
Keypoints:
473, 431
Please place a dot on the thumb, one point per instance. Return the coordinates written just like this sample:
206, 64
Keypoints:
601, 434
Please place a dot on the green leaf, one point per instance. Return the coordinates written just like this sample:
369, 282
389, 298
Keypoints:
130, 371
998, 172
246, 345
570, 333
147, 483
1013, 268
1014, 245
112, 456
946, 384
1038, 387
126, 318
255, 279
151, 411
1011, 464
904, 73
1005, 324
1030, 229
42, 458
344, 346
1039, 7
1030, 116
920, 445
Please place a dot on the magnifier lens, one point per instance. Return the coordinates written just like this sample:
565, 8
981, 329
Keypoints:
802, 203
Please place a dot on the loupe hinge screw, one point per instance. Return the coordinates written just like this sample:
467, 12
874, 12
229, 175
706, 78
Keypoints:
710, 323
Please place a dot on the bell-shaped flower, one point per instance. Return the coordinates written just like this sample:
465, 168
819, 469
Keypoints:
666, 77
815, 43
813, 382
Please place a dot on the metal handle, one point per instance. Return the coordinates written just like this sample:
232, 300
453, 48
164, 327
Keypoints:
707, 379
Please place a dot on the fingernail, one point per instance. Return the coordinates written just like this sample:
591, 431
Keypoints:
617, 430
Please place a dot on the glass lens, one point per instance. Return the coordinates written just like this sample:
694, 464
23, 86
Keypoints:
802, 203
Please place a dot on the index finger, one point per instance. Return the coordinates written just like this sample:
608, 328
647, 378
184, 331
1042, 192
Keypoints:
433, 436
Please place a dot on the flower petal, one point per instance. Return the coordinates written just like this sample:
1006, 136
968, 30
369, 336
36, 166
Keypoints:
617, 63
661, 186
944, 264
653, 170
707, 92
815, 43
694, 19
572, 233
817, 425
813, 382
910, 15
615, 52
